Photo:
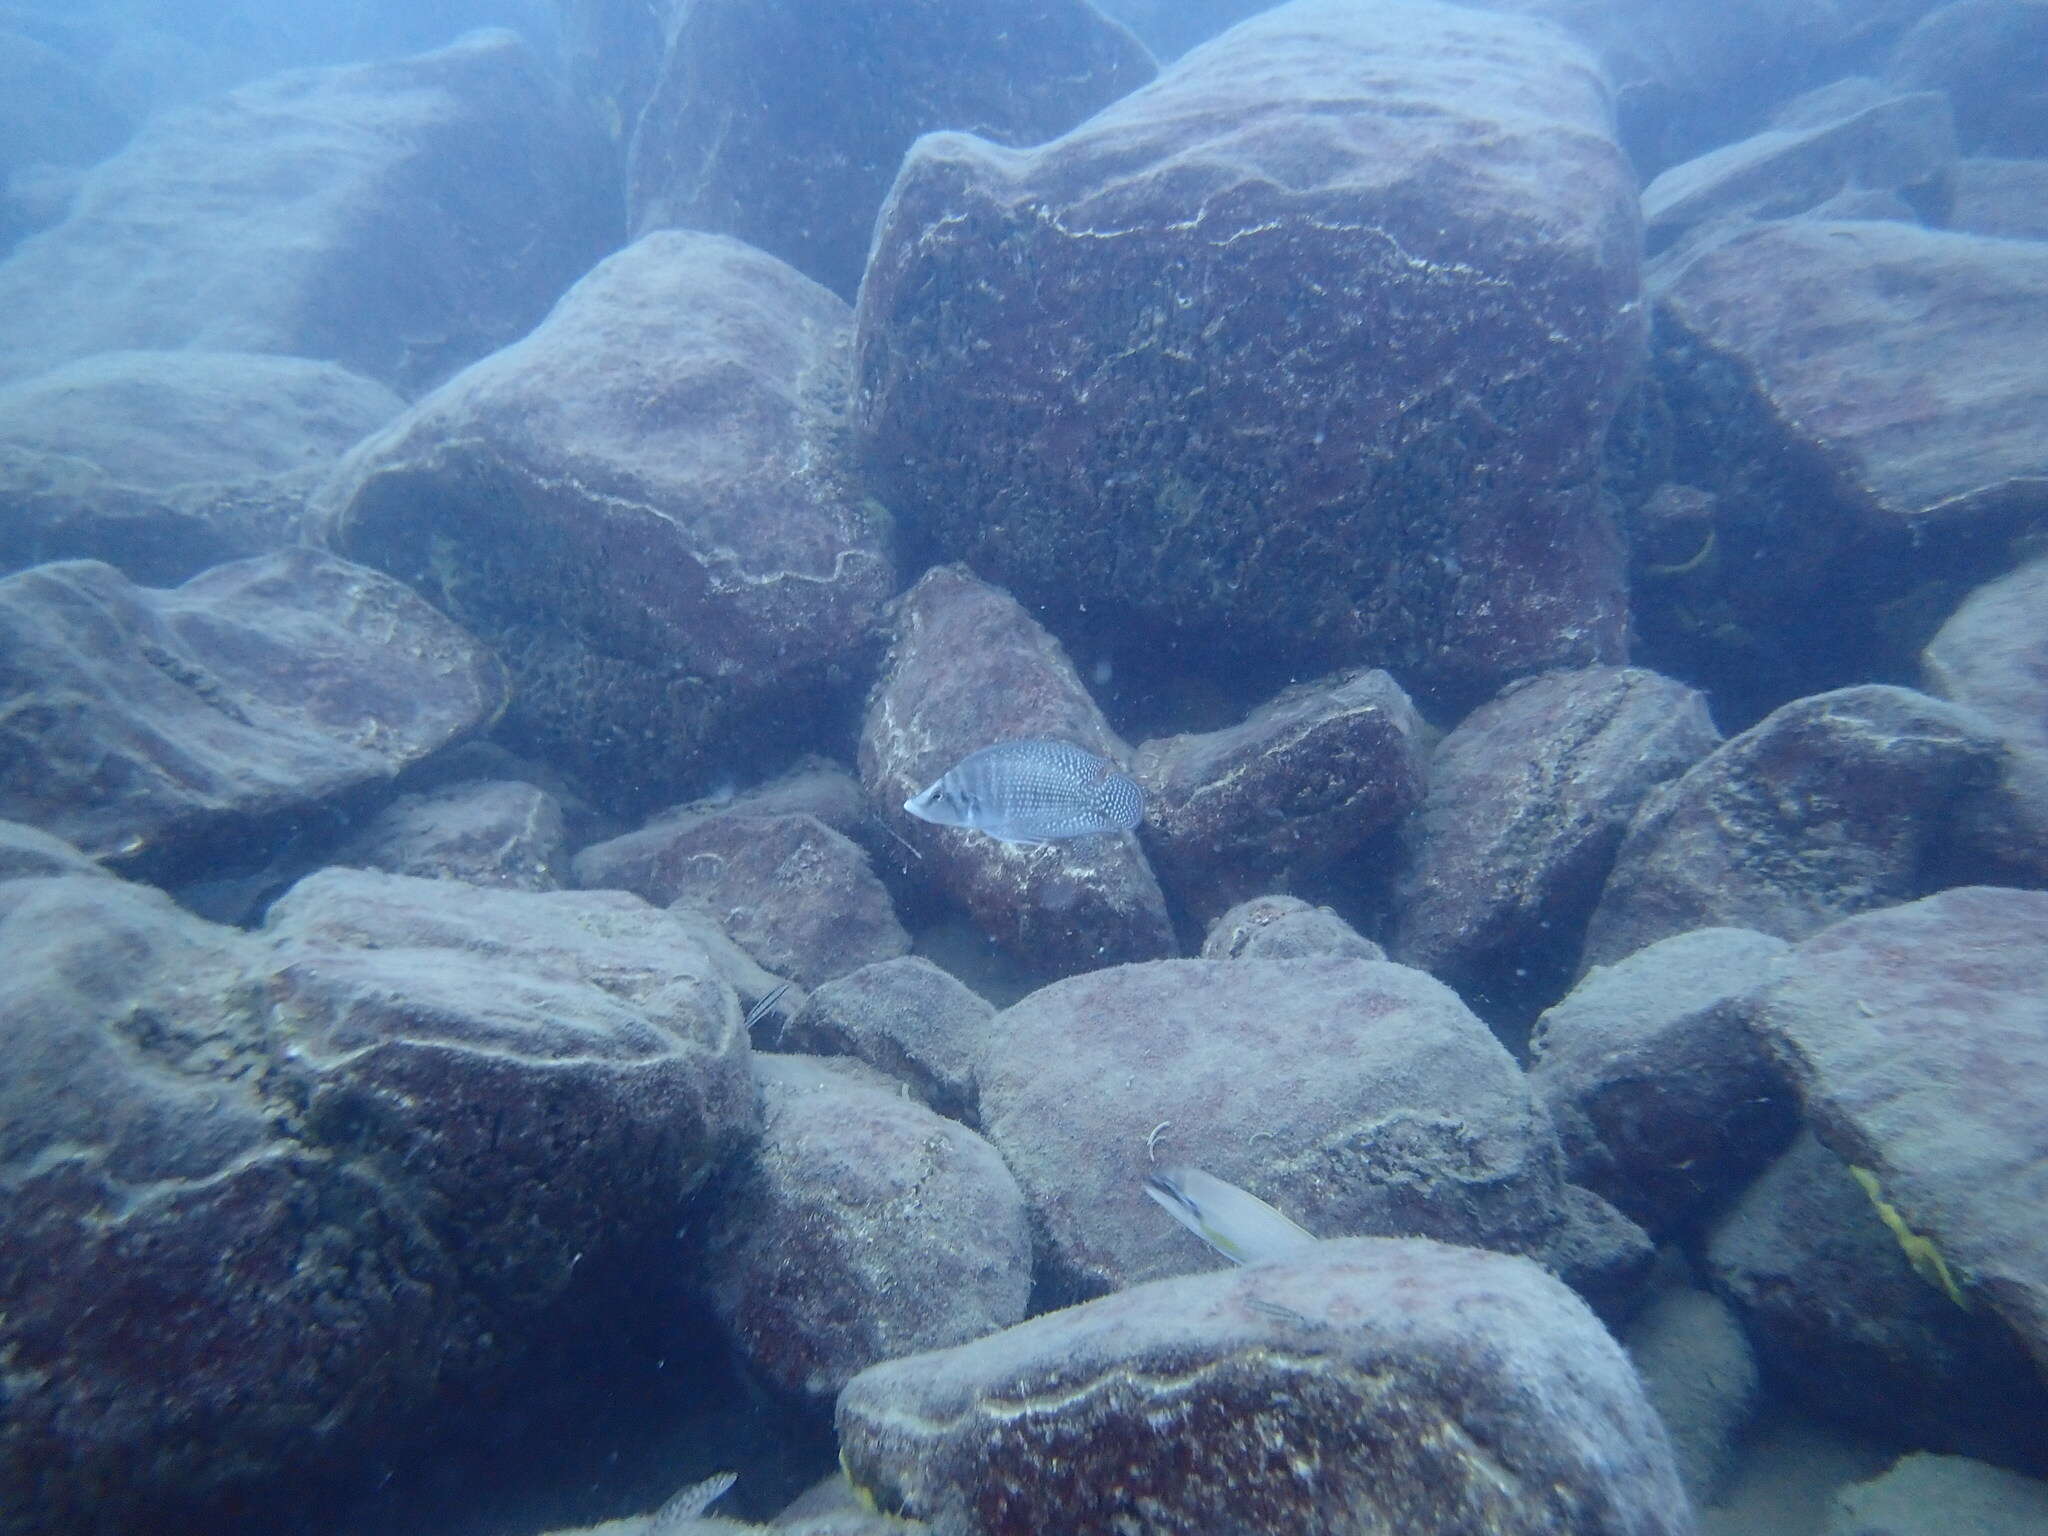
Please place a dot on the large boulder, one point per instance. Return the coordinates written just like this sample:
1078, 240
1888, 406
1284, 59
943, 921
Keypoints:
1857, 135
642, 507
799, 897
905, 1017
968, 667
2001, 197
165, 463
862, 1226
1860, 399
1918, 1037
399, 218
172, 730
731, 139
812, 786
496, 832
1925, 1495
1120, 373
1529, 796
1933, 327
1853, 1334
1831, 805
1358, 1097
1366, 1386
1297, 785
273, 1199
1986, 54
1663, 1096
52, 120
1690, 74
1991, 656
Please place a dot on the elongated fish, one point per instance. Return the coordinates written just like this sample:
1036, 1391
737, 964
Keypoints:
1235, 1222
1032, 791
688, 1504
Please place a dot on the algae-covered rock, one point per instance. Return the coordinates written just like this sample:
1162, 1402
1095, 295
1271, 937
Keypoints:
1833, 804
969, 667
1918, 1037
1664, 1097
400, 218
166, 729
1233, 368
641, 504
1529, 796
862, 1226
1304, 780
1356, 1096
796, 162
1366, 1386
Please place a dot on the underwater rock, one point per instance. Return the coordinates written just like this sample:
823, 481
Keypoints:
2008, 198
790, 891
1687, 76
165, 463
1302, 781
1933, 1495
498, 833
1355, 1096
399, 218
968, 668
1119, 372
1986, 54
1834, 804
1991, 655
644, 859
1843, 140
1529, 796
1862, 399
904, 1017
1284, 928
861, 1227
1700, 1374
612, 52
1933, 327
796, 163
270, 1199
535, 1070
1368, 1385
26, 851
1664, 1098
1839, 1318
190, 1301
1601, 1254
1918, 1037
641, 505
167, 731
53, 118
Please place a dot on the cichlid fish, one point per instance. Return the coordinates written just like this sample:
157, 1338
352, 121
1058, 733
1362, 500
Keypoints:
1032, 791
1235, 1222
687, 1505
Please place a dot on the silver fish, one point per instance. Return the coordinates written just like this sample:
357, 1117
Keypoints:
1032, 791
688, 1504
1235, 1222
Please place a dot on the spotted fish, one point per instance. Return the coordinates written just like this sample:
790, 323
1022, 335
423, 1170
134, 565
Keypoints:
1032, 791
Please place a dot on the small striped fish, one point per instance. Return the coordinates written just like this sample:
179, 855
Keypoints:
1235, 1222
1032, 791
